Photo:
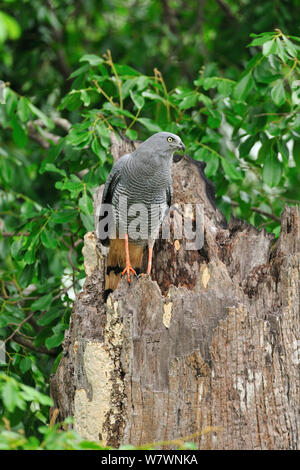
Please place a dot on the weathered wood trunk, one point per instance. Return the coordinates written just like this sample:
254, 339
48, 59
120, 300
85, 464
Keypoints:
211, 340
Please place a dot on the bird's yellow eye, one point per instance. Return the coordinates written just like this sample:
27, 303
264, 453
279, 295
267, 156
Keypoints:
170, 139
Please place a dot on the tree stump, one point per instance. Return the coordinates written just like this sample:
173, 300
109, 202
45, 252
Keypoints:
211, 341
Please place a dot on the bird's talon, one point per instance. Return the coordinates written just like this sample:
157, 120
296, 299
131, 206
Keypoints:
128, 270
145, 275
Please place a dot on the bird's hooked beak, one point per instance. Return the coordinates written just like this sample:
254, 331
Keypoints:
182, 146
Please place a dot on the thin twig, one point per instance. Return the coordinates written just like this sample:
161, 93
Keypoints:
62, 292
101, 91
110, 62
19, 327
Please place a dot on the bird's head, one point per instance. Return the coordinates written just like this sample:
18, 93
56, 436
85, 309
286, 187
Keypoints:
163, 143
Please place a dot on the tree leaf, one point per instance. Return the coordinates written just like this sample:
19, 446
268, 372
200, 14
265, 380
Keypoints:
264, 150
281, 50
126, 70
63, 216
48, 239
284, 151
272, 169
259, 41
131, 134
6, 170
92, 59
296, 153
98, 150
85, 97
37, 112
16, 246
243, 87
19, 133
86, 204
49, 316
246, 146
76, 137
104, 134
210, 82
53, 169
11, 396
137, 99
31, 394
230, 170
188, 101
290, 47
214, 118
27, 275
153, 96
42, 303
54, 340
74, 187
80, 71
53, 153
211, 159
23, 109
88, 221
278, 93
269, 48
149, 124
9, 26
25, 364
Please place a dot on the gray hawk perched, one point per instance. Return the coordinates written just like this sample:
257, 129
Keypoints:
141, 178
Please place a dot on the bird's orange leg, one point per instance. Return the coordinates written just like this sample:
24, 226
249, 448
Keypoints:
129, 269
149, 266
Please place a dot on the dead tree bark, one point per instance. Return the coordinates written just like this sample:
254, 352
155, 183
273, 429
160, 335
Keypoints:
211, 340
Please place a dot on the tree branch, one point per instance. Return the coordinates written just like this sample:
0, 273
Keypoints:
259, 211
62, 122
12, 234
43, 139
29, 344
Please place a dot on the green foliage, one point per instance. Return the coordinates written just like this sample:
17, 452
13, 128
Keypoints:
175, 36
235, 108
20, 404
244, 129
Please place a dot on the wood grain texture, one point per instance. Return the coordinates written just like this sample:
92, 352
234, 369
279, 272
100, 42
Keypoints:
211, 340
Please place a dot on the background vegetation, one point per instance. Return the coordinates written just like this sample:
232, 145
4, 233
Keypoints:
224, 75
